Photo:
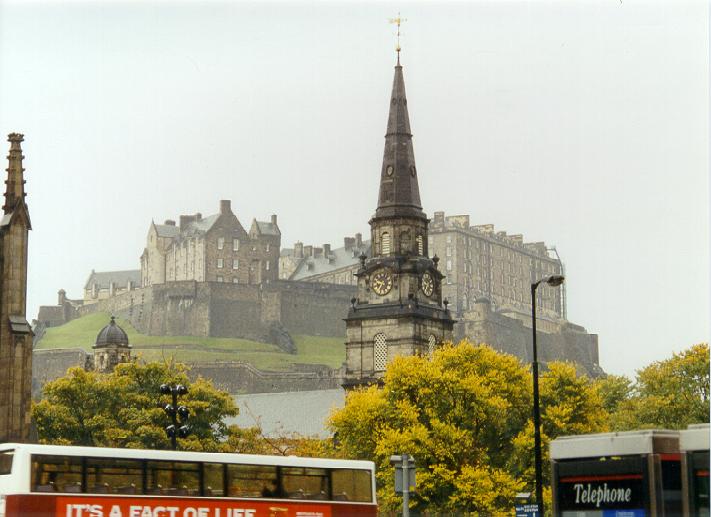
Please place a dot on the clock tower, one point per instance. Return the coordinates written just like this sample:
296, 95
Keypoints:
398, 309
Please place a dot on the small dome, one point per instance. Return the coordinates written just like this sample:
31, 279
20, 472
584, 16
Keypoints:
111, 334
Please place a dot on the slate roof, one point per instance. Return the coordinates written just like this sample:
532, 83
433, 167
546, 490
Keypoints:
340, 258
279, 414
268, 228
167, 230
120, 278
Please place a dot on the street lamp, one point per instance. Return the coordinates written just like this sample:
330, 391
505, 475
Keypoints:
553, 281
177, 414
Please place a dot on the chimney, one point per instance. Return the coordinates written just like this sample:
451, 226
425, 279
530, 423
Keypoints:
348, 243
299, 250
326, 250
225, 206
359, 240
308, 251
438, 218
318, 252
198, 216
61, 297
274, 219
169, 222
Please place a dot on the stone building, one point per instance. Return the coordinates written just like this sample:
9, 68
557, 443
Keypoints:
398, 309
105, 284
211, 249
111, 348
15, 331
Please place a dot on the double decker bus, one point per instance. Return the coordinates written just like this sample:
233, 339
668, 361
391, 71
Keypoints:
63, 481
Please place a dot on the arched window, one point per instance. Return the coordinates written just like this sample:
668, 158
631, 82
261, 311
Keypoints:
431, 344
420, 245
405, 244
385, 244
380, 352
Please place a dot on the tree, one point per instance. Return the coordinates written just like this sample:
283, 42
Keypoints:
614, 390
465, 417
669, 394
124, 408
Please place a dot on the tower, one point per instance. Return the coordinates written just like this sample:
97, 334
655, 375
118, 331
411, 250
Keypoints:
111, 348
398, 309
15, 332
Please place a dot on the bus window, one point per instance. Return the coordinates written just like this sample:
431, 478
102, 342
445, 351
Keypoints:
351, 485
114, 476
252, 481
304, 483
6, 462
173, 478
214, 479
56, 473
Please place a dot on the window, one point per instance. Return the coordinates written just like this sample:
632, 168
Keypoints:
235, 280
235, 244
267, 265
220, 263
235, 264
114, 476
304, 483
213, 479
420, 245
220, 279
56, 474
252, 481
220, 243
449, 265
449, 239
172, 478
351, 485
449, 251
385, 244
431, 344
6, 462
267, 248
380, 352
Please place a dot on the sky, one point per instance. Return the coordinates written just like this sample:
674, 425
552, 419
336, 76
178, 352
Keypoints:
582, 124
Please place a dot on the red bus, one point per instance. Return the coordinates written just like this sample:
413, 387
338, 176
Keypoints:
62, 481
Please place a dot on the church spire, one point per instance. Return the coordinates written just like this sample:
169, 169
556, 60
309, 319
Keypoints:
399, 191
15, 183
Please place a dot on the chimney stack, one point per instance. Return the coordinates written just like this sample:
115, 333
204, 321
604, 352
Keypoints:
225, 206
308, 251
348, 243
299, 250
274, 219
359, 240
169, 222
326, 250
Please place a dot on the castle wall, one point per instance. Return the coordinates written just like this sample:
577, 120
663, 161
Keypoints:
313, 308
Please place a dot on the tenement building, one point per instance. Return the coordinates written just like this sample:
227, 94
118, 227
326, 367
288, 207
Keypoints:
15, 332
216, 248
398, 308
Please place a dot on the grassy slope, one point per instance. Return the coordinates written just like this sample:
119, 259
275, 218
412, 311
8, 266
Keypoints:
81, 333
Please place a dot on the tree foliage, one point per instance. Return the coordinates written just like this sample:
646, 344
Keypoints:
669, 394
124, 408
465, 416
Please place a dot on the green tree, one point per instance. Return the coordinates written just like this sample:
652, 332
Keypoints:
124, 409
669, 394
465, 416
613, 390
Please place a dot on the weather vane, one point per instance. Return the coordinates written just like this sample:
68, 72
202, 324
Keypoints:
398, 21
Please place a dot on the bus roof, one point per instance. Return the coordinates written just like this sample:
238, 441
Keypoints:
205, 457
615, 444
695, 438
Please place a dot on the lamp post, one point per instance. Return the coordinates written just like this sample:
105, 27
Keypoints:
553, 281
177, 414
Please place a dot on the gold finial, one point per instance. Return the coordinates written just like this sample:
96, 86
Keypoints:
398, 21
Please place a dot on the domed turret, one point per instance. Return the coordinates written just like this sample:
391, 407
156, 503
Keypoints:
111, 347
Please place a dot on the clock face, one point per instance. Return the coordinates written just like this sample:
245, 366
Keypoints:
381, 282
427, 284
389, 170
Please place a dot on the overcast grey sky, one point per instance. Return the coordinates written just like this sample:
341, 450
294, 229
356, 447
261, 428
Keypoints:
584, 124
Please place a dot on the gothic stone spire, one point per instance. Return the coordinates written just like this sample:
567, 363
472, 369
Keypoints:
15, 183
399, 192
